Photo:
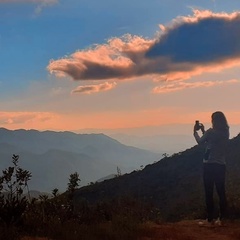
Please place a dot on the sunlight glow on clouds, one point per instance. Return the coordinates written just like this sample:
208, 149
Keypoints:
176, 86
8, 118
88, 89
118, 59
107, 120
188, 46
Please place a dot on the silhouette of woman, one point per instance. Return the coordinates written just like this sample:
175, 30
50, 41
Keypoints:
214, 164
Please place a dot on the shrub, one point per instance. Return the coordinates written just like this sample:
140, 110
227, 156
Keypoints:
12, 184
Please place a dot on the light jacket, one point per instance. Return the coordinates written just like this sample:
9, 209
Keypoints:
216, 144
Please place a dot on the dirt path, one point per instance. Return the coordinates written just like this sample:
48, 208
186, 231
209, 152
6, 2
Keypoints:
184, 230
189, 230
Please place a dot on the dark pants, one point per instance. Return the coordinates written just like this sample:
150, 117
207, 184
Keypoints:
214, 174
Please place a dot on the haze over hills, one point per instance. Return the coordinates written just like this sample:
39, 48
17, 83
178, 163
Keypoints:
170, 144
53, 156
170, 138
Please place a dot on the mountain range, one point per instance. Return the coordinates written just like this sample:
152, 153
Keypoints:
169, 143
52, 156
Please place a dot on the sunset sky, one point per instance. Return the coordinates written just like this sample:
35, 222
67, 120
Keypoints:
107, 64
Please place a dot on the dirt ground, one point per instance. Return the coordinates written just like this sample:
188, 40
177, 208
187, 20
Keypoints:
185, 230
190, 230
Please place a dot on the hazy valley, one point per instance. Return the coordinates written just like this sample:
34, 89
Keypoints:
53, 156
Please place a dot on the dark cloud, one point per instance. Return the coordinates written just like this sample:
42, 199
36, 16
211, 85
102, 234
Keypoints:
188, 46
207, 40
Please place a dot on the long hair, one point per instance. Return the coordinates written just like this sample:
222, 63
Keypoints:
219, 121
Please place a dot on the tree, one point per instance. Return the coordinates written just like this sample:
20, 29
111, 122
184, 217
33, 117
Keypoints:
73, 182
119, 173
55, 192
72, 186
13, 181
165, 155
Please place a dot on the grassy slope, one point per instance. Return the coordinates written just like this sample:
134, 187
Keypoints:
174, 184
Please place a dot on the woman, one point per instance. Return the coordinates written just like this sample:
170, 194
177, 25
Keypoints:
214, 163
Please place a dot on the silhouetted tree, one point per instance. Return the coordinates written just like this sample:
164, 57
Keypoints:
73, 182
55, 192
119, 173
13, 181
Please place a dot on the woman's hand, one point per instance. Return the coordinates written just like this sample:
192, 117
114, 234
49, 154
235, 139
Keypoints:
195, 128
202, 128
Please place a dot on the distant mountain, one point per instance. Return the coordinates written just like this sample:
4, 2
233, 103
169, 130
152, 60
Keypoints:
53, 156
168, 138
161, 144
174, 184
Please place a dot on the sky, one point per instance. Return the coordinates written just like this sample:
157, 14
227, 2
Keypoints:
69, 65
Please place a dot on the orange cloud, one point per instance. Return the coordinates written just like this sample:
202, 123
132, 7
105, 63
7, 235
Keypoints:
15, 118
188, 46
88, 89
177, 86
118, 59
110, 120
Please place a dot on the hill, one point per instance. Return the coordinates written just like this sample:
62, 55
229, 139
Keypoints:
173, 185
52, 156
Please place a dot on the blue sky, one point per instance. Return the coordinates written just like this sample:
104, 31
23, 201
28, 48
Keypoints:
34, 34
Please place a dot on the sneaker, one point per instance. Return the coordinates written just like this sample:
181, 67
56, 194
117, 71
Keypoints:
206, 223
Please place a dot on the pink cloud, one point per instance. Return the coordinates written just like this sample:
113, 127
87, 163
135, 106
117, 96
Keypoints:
8, 118
118, 59
188, 46
177, 86
88, 89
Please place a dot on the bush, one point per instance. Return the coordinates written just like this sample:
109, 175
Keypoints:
12, 184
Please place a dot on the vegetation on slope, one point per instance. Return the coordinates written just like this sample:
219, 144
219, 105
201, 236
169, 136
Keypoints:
120, 208
173, 185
